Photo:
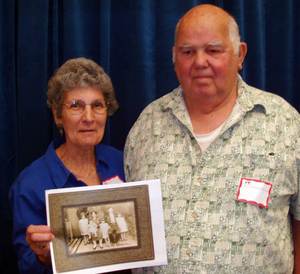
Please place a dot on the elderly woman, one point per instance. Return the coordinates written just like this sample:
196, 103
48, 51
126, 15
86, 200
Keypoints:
81, 97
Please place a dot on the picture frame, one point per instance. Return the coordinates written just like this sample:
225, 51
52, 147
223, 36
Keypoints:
106, 228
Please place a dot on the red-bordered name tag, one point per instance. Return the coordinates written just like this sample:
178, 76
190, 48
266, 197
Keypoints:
113, 180
254, 192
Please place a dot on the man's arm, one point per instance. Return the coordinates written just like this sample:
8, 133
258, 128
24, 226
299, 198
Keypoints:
296, 236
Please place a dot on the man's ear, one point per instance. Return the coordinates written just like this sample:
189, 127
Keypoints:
173, 54
242, 54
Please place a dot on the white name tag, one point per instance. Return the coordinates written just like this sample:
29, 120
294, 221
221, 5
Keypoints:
113, 180
254, 192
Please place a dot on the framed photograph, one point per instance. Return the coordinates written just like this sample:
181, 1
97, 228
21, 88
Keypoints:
106, 228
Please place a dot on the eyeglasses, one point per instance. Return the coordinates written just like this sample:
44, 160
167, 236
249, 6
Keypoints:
77, 106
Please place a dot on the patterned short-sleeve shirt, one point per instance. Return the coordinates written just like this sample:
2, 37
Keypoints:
207, 229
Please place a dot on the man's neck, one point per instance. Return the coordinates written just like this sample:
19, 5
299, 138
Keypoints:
206, 117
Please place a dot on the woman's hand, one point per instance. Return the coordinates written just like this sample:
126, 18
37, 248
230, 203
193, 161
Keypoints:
39, 238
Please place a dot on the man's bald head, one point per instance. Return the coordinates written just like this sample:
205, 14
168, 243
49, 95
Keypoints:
214, 13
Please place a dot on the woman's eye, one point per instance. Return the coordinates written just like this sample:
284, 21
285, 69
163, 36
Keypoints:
76, 105
98, 104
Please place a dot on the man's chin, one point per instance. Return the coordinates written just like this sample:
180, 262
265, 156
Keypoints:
204, 92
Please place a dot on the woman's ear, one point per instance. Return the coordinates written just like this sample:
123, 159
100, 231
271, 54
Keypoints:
57, 120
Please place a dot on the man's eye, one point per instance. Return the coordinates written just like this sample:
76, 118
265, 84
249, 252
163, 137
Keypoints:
214, 50
187, 52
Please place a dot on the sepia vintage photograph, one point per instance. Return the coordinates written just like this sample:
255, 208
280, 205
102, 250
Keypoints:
102, 227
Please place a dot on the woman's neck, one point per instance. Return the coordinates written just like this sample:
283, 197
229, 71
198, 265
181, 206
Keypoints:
77, 158
82, 163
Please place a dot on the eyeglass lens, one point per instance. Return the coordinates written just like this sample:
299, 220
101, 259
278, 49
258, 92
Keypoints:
78, 106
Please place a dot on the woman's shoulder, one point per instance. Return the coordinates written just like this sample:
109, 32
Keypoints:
111, 162
102, 148
33, 179
36, 169
108, 153
39, 168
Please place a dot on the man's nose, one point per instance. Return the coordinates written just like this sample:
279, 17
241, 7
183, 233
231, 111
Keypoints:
201, 59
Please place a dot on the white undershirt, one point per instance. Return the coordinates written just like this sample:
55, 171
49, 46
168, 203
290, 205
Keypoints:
204, 140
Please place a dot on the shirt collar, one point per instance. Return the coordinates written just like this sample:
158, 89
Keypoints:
59, 173
101, 150
248, 97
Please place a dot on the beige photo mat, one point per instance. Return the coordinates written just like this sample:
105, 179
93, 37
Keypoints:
130, 201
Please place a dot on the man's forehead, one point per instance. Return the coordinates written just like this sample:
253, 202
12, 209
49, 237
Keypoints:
203, 25
207, 13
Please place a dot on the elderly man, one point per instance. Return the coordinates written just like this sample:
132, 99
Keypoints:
227, 155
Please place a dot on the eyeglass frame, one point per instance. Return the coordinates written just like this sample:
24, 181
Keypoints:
73, 101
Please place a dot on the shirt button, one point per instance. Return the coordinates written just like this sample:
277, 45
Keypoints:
188, 252
194, 214
199, 179
197, 148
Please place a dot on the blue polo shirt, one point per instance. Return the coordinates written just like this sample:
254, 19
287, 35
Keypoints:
27, 194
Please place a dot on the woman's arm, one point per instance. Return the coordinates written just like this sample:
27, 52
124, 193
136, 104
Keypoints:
28, 207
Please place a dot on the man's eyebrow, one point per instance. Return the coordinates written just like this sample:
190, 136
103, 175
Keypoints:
214, 44
183, 46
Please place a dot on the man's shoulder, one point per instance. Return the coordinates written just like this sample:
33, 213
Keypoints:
273, 103
164, 102
277, 105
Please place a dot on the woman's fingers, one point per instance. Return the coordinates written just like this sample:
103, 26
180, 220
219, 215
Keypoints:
39, 234
39, 238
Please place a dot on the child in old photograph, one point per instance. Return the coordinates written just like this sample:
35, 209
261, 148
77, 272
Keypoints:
104, 227
122, 226
93, 230
83, 226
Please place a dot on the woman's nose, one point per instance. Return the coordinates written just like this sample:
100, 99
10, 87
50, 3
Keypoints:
88, 113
